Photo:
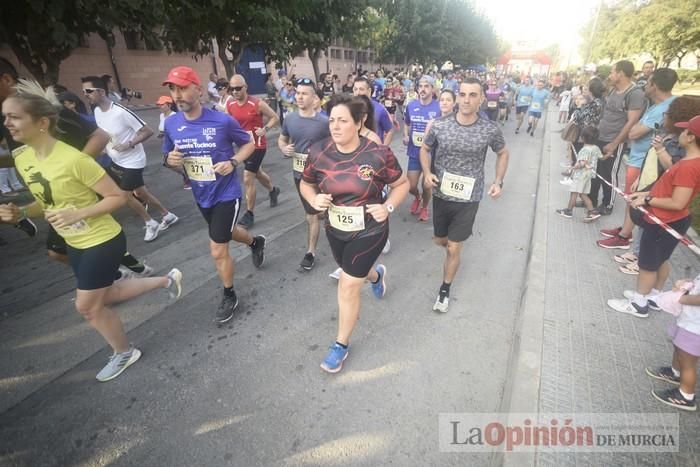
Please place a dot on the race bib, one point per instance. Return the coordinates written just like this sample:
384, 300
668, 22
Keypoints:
536, 106
526, 99
417, 138
457, 186
199, 168
388, 103
299, 161
492, 104
79, 228
347, 218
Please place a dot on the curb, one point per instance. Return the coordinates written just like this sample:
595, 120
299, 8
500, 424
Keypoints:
521, 391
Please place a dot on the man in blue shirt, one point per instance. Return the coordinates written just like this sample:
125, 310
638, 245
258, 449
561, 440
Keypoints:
201, 141
540, 96
523, 97
382, 120
418, 113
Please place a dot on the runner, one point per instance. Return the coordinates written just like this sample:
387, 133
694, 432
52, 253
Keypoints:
523, 98
75, 195
383, 126
418, 114
201, 140
345, 175
493, 96
300, 130
460, 143
249, 111
127, 131
540, 97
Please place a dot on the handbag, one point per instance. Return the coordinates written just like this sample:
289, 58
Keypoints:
571, 132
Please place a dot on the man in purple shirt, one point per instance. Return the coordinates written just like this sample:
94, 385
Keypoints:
201, 141
385, 129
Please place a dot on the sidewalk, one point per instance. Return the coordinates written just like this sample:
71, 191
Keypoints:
576, 354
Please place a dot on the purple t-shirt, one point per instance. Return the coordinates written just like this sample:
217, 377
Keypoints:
492, 98
204, 142
417, 118
381, 119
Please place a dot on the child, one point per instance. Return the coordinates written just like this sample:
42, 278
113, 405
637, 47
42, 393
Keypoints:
581, 174
685, 333
564, 103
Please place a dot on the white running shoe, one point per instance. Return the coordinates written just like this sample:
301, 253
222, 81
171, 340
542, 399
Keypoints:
168, 220
387, 247
147, 272
152, 229
441, 304
175, 286
117, 363
336, 274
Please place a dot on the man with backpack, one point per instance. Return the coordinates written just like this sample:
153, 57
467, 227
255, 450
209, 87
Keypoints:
623, 108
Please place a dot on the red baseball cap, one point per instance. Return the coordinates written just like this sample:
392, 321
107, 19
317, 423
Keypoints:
693, 125
164, 100
182, 76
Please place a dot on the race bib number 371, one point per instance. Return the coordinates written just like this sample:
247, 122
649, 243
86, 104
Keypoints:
199, 169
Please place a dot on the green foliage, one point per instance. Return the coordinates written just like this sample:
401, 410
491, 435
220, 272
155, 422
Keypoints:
604, 71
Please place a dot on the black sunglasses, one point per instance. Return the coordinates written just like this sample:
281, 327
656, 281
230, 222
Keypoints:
90, 90
235, 88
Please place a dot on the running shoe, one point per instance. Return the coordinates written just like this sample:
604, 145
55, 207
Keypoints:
274, 194
387, 247
415, 206
307, 263
442, 302
187, 185
168, 220
663, 373
605, 210
379, 288
152, 229
117, 363
147, 271
625, 258
627, 306
620, 243
629, 294
27, 226
568, 213
529, 127
10, 194
336, 274
247, 220
611, 232
258, 253
674, 398
333, 362
175, 283
591, 216
225, 311
423, 215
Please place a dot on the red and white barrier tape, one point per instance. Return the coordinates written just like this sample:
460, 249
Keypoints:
681, 238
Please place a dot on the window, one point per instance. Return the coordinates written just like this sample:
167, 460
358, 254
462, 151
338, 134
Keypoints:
335, 54
349, 54
133, 40
362, 57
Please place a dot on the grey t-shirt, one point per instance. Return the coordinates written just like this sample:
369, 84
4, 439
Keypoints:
304, 131
461, 150
615, 112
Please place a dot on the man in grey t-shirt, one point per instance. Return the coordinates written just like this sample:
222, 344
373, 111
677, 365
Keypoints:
460, 142
299, 131
623, 108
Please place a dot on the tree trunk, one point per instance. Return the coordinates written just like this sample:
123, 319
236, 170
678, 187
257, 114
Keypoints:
228, 64
314, 55
680, 57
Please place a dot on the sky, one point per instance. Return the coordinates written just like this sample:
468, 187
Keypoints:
542, 22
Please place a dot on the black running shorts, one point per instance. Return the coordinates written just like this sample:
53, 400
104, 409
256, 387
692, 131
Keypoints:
357, 256
55, 242
453, 220
253, 163
307, 207
126, 179
221, 219
96, 267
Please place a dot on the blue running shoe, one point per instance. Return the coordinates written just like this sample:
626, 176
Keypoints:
379, 288
333, 362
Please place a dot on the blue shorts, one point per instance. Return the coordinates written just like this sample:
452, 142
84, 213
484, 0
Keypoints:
414, 165
521, 109
535, 114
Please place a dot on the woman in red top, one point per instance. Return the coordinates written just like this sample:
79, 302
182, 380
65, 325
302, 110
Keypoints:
345, 175
668, 200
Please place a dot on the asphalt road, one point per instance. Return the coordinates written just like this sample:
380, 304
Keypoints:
252, 393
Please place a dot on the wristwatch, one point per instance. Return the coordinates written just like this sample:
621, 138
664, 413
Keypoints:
647, 200
389, 207
234, 162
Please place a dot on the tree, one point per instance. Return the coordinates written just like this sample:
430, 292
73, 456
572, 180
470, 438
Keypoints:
43, 33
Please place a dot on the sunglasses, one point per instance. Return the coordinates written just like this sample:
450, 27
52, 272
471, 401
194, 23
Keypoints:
235, 88
90, 90
304, 81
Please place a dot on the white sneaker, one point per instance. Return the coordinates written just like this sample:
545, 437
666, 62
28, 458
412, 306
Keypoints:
336, 274
125, 274
626, 306
117, 363
387, 247
175, 286
147, 272
151, 231
168, 220
441, 304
